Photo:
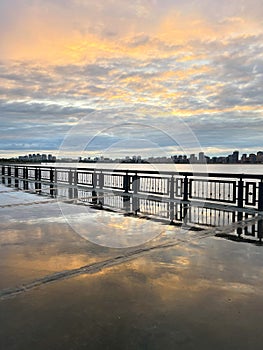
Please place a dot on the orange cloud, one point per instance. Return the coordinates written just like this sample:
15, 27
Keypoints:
54, 34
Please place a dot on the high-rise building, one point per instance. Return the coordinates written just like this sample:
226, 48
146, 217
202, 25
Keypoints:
252, 158
193, 158
244, 158
235, 157
260, 157
202, 158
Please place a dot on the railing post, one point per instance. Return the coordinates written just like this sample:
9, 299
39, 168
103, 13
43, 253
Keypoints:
94, 180
25, 178
171, 203
94, 197
70, 178
94, 185
126, 188
3, 174
75, 184
126, 183
126, 203
101, 180
260, 230
260, 196
240, 193
240, 199
9, 179
101, 185
239, 230
51, 180
16, 177
37, 180
185, 198
135, 189
185, 194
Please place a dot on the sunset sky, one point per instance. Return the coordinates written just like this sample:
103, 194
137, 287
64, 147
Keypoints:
134, 73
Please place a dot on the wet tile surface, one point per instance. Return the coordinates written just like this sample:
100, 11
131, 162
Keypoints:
195, 294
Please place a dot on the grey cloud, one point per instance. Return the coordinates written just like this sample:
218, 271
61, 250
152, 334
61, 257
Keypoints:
139, 40
235, 69
230, 130
97, 70
79, 70
41, 108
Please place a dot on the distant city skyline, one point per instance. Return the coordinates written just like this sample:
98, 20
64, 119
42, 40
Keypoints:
234, 158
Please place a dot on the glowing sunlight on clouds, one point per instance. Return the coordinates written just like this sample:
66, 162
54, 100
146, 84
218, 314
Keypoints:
201, 61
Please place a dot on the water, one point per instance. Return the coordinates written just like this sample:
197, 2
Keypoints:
197, 168
181, 290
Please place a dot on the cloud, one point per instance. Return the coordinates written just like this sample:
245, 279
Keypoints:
201, 61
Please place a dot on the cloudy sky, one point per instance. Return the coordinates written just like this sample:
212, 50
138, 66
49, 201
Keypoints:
121, 76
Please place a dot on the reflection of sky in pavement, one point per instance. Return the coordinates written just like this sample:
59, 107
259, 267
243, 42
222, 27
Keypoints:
199, 294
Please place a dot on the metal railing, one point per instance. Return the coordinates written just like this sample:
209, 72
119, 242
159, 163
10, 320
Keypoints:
166, 195
239, 190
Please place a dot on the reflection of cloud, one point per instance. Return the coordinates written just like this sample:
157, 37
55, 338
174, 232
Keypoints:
142, 302
109, 229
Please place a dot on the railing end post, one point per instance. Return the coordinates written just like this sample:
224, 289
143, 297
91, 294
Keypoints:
260, 196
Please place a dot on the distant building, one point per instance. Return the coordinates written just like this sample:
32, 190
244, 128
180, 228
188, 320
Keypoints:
201, 157
179, 159
260, 157
193, 158
235, 156
244, 158
252, 158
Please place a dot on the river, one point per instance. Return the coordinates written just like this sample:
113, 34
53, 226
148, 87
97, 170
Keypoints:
196, 168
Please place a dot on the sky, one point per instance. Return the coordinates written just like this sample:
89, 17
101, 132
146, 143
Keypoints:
121, 77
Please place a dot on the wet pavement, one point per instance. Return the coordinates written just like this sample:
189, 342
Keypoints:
179, 290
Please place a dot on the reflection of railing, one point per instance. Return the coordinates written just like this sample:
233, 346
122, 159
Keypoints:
206, 199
